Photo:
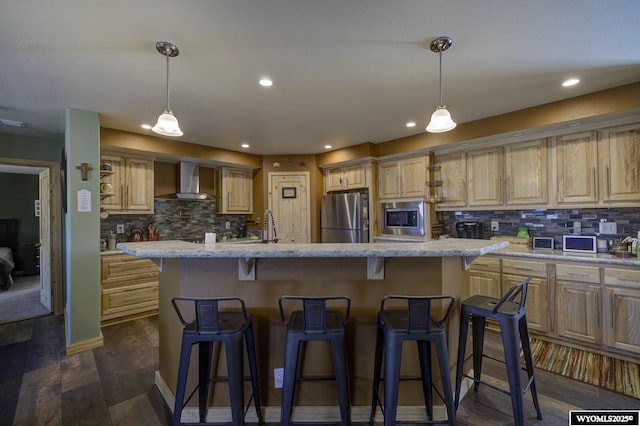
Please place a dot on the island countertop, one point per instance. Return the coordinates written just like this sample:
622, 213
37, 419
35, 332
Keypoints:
435, 248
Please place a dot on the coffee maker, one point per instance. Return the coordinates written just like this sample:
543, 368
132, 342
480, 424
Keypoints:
469, 230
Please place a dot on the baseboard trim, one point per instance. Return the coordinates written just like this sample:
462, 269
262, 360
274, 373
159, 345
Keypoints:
85, 345
271, 414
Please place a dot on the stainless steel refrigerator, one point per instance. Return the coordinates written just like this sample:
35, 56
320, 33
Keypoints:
344, 218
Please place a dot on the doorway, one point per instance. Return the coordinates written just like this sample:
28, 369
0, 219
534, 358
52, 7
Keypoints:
290, 202
35, 276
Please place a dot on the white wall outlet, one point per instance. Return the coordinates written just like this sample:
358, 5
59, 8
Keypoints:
120, 228
495, 225
227, 225
278, 377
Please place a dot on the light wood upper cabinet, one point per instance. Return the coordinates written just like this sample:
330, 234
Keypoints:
132, 181
485, 180
577, 168
620, 163
347, 177
454, 179
527, 173
234, 188
402, 178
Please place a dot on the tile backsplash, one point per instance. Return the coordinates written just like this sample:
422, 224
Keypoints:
177, 220
549, 223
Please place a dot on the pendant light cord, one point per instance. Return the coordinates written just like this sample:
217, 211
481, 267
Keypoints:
169, 98
440, 53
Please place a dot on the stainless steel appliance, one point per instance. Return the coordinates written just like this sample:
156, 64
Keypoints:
344, 218
469, 230
579, 243
402, 218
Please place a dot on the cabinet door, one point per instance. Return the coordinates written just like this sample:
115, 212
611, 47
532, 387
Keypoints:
578, 311
139, 187
620, 155
485, 283
527, 171
117, 180
237, 190
334, 179
388, 180
414, 175
576, 168
622, 318
356, 176
485, 178
454, 179
537, 304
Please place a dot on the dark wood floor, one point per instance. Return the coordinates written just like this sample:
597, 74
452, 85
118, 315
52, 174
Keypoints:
114, 384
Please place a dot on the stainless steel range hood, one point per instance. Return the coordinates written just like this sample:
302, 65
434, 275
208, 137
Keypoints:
189, 182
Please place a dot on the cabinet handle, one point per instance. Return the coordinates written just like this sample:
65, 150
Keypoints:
608, 183
519, 268
595, 184
598, 308
628, 280
576, 274
611, 309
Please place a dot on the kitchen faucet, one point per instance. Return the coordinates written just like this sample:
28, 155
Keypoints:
265, 227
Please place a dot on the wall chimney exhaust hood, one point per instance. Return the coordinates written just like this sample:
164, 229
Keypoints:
189, 182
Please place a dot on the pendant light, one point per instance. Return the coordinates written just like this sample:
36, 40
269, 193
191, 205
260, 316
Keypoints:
167, 124
441, 119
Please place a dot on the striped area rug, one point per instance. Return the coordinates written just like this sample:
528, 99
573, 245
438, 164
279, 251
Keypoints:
599, 370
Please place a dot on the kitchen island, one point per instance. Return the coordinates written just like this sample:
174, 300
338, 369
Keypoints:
261, 273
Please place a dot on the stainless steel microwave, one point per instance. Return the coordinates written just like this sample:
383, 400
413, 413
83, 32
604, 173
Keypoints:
403, 218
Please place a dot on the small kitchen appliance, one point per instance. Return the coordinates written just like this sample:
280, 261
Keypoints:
469, 230
579, 243
543, 243
402, 218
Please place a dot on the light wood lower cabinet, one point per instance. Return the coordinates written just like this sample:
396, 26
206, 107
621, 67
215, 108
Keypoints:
516, 271
578, 303
622, 309
129, 287
484, 277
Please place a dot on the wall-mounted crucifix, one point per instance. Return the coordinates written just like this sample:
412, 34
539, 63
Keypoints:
85, 170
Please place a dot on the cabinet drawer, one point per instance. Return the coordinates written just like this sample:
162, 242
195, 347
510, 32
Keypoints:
524, 267
485, 263
125, 267
134, 298
622, 277
585, 274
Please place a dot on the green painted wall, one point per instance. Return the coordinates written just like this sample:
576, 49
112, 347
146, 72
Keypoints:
82, 251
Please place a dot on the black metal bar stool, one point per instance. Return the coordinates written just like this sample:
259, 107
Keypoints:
209, 326
315, 322
412, 321
510, 313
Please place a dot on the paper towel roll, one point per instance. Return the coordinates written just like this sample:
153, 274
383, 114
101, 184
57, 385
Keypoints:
210, 238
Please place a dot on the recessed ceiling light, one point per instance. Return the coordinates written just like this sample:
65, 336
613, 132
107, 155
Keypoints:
245, 145
516, 134
265, 82
571, 82
12, 123
574, 124
146, 126
411, 124
328, 147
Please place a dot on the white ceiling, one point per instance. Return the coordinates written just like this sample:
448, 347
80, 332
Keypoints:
345, 71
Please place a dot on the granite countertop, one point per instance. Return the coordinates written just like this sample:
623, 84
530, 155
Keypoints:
559, 255
434, 248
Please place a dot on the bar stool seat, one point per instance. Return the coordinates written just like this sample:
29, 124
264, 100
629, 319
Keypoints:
411, 322
315, 322
510, 314
209, 326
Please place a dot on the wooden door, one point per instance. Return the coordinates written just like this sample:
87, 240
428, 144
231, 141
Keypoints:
537, 304
454, 179
622, 319
388, 180
485, 179
356, 176
334, 179
45, 240
289, 200
578, 311
485, 283
527, 172
238, 190
116, 202
620, 156
139, 185
414, 175
577, 168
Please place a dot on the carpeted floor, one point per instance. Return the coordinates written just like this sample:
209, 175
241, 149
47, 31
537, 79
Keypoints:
609, 373
22, 300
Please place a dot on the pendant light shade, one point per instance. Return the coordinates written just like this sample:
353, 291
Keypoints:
441, 120
167, 124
